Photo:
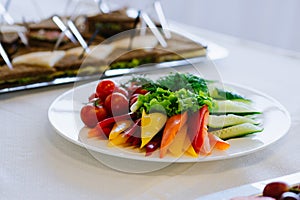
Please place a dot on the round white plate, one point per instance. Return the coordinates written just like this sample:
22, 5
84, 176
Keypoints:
64, 115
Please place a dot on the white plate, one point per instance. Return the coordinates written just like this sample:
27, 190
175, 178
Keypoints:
65, 118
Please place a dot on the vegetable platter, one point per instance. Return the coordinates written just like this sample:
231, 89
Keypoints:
173, 118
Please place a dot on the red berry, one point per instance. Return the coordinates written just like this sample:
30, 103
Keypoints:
91, 115
105, 88
116, 104
275, 189
121, 90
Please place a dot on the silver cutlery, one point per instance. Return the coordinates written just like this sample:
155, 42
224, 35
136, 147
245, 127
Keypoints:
103, 7
133, 32
154, 29
9, 20
5, 57
162, 19
64, 31
78, 36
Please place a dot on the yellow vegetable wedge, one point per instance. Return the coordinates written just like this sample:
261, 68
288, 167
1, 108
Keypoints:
188, 147
177, 147
151, 124
119, 127
191, 151
119, 140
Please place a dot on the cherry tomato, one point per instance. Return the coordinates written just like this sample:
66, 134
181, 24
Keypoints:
121, 90
91, 115
275, 189
101, 113
136, 89
140, 90
105, 88
116, 104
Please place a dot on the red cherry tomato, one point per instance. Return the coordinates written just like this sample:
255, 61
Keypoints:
116, 104
121, 90
275, 189
105, 88
101, 113
140, 90
91, 115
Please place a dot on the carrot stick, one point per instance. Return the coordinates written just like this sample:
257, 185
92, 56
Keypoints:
172, 126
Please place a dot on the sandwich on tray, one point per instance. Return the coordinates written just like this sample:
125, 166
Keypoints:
40, 62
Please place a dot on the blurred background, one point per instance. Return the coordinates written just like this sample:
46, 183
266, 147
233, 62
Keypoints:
271, 22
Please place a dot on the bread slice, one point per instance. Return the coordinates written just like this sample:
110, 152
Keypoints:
147, 50
74, 63
137, 42
110, 24
24, 75
41, 58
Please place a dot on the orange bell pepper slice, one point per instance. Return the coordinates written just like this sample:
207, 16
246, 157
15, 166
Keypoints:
172, 126
217, 142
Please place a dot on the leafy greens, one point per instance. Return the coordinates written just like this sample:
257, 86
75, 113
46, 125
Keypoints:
173, 94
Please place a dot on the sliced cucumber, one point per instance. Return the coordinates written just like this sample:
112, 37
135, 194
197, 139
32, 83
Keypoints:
233, 107
223, 94
221, 121
239, 130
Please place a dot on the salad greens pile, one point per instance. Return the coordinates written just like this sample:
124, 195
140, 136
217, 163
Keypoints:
173, 94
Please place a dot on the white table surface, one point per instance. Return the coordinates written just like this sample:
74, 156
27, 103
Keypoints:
37, 163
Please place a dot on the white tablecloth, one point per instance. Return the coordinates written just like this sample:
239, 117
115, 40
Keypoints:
37, 163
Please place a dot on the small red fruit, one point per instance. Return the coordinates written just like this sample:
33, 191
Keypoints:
105, 88
121, 90
101, 113
91, 115
116, 104
140, 90
275, 189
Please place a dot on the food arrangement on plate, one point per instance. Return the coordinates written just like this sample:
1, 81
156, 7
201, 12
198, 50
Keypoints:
45, 52
177, 114
276, 190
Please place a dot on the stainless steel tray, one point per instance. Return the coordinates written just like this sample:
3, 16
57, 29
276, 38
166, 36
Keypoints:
214, 52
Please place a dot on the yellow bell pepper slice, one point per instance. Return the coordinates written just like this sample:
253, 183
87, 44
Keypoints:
188, 147
191, 151
177, 146
118, 140
151, 124
119, 127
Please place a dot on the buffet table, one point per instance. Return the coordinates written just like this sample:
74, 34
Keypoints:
37, 163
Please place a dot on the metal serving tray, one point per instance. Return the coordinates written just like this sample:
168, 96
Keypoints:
214, 52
